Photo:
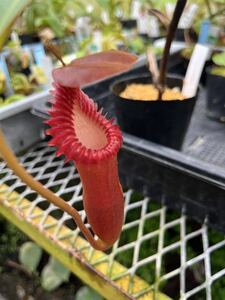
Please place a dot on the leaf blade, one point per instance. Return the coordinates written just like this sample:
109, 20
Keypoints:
10, 10
30, 256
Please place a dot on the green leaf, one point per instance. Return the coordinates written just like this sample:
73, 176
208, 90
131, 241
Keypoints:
50, 281
219, 71
10, 10
59, 269
53, 275
30, 255
13, 98
187, 52
219, 59
85, 293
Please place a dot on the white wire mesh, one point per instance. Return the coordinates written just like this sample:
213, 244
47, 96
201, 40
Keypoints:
175, 255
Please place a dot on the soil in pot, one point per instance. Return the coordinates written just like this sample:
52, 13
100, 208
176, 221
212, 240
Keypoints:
163, 122
215, 96
138, 91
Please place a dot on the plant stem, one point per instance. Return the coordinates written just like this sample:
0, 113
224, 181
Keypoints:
55, 51
170, 35
17, 266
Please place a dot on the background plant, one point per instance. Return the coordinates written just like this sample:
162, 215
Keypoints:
57, 15
219, 64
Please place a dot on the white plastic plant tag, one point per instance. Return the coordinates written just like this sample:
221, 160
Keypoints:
47, 65
169, 9
135, 9
188, 16
194, 70
142, 23
153, 27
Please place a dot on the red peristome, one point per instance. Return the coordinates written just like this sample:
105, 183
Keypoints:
94, 67
73, 107
84, 135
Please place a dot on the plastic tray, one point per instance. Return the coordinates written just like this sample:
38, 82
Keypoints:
192, 179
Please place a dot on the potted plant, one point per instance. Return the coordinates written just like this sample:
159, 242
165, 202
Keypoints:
58, 17
2, 84
158, 112
216, 88
25, 76
209, 21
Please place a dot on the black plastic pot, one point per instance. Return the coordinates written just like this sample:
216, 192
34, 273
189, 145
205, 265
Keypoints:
179, 35
129, 23
27, 39
215, 96
163, 122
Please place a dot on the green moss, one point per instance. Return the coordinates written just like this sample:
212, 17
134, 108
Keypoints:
10, 240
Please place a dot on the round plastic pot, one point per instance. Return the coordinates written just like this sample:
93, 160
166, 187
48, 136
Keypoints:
129, 23
163, 122
179, 35
27, 39
215, 96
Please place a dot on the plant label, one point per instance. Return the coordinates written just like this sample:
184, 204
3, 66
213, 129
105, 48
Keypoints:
194, 70
204, 32
169, 9
188, 16
135, 9
153, 27
209, 33
142, 23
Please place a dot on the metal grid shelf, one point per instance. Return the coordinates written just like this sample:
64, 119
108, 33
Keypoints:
159, 252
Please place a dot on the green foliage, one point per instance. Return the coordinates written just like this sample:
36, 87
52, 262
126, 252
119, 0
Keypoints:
21, 84
30, 256
158, 51
219, 71
216, 6
86, 293
137, 45
11, 99
126, 8
41, 14
219, 59
10, 239
53, 275
187, 52
58, 15
9, 12
157, 4
2, 82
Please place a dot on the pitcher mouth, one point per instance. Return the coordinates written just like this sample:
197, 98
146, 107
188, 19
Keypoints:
78, 128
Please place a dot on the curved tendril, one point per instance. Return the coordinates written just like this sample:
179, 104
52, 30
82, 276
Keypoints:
35, 185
